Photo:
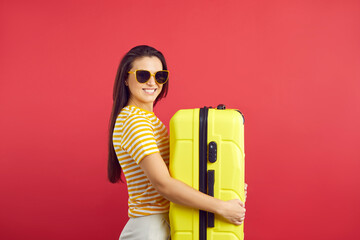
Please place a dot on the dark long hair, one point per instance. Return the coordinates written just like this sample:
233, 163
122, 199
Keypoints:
121, 96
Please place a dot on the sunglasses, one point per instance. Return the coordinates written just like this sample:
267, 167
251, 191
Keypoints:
142, 76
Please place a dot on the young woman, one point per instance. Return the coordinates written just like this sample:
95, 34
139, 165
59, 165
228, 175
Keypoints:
138, 146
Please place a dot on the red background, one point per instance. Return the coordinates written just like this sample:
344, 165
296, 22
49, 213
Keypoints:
292, 68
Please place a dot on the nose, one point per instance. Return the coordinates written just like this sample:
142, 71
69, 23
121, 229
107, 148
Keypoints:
151, 81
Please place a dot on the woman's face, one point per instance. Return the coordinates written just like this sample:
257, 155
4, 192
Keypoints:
144, 94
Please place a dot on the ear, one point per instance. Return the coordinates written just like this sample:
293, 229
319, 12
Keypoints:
126, 83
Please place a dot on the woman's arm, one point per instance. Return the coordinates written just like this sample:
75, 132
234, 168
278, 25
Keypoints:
178, 192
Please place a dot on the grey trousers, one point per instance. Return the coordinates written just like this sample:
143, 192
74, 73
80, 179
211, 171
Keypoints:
152, 227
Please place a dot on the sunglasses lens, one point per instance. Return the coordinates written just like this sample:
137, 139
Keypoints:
161, 76
142, 76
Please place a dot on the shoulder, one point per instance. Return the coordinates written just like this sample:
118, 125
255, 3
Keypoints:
131, 115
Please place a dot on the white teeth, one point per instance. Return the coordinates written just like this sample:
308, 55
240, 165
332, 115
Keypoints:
149, 90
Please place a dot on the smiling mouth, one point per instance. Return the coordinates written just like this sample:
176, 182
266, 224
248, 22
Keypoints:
149, 91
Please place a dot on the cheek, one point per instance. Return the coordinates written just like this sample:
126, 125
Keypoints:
134, 86
160, 88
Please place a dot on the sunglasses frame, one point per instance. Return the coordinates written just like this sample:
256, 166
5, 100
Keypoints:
150, 75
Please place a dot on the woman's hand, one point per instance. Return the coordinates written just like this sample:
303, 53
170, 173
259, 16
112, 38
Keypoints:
233, 211
246, 186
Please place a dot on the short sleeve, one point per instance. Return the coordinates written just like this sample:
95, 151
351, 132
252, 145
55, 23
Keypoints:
138, 138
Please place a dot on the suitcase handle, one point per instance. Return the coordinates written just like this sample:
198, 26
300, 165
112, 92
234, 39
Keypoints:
211, 182
221, 107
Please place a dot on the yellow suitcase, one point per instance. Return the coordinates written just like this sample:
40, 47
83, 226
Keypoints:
207, 153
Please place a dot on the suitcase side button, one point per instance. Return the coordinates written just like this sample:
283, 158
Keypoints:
212, 152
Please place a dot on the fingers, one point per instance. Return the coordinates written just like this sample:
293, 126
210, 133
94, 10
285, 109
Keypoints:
244, 210
246, 186
241, 203
238, 222
234, 211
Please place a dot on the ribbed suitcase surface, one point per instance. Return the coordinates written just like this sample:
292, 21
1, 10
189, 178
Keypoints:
207, 153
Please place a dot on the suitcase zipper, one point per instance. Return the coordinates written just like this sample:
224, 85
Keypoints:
203, 119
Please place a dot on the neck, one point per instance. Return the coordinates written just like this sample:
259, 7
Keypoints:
146, 106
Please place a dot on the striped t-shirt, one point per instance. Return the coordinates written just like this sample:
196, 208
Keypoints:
138, 133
